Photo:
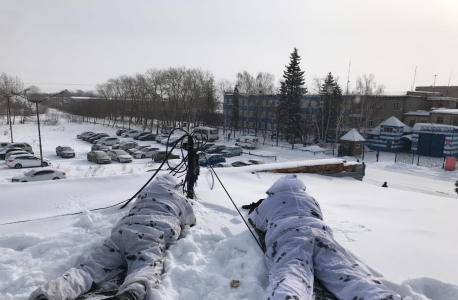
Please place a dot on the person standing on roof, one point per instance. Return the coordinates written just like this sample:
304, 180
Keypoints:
300, 246
137, 244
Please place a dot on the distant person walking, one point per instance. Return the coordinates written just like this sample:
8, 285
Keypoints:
377, 155
385, 184
229, 136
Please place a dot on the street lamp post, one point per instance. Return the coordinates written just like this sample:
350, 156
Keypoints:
38, 119
9, 116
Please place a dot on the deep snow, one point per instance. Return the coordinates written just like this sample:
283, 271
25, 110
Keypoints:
403, 234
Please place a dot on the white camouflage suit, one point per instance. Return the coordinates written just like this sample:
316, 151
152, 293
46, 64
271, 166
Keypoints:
300, 245
137, 243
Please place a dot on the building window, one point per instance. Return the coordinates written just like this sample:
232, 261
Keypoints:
387, 129
440, 120
369, 123
412, 123
396, 106
455, 121
358, 146
382, 106
346, 145
441, 104
358, 106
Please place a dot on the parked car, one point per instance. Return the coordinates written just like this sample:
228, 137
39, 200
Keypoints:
23, 146
232, 151
216, 149
141, 134
5, 151
160, 156
160, 137
257, 161
241, 164
17, 152
26, 160
96, 139
108, 141
120, 131
99, 157
170, 141
65, 151
98, 147
88, 136
3, 144
211, 160
81, 135
131, 133
147, 137
145, 152
249, 142
120, 156
207, 146
131, 151
223, 165
126, 145
39, 175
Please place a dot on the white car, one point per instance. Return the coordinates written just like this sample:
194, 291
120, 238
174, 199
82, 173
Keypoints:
145, 152
120, 156
25, 161
14, 153
131, 133
108, 141
39, 175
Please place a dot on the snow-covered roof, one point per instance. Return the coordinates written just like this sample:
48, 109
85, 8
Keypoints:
445, 111
429, 126
442, 99
353, 136
393, 121
417, 113
313, 149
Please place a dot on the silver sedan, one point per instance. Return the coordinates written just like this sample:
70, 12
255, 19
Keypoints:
120, 156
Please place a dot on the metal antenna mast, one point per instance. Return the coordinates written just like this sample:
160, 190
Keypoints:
348, 76
414, 76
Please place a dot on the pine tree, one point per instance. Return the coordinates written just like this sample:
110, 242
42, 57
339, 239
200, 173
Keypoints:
330, 98
292, 90
235, 109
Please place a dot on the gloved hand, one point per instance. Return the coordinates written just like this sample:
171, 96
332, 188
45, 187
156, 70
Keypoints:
252, 206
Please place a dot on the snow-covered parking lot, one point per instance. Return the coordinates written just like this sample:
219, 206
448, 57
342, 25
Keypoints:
404, 235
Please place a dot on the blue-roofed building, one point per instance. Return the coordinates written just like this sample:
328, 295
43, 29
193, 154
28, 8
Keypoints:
391, 136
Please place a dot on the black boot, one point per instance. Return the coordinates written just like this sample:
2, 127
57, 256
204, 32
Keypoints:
125, 296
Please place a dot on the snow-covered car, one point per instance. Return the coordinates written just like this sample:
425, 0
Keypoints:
170, 141
241, 164
145, 152
256, 161
141, 135
216, 149
147, 137
100, 147
13, 153
126, 145
120, 156
108, 141
120, 131
224, 165
5, 151
131, 151
95, 138
26, 161
160, 156
39, 175
131, 133
3, 144
83, 134
160, 137
232, 151
98, 157
65, 151
23, 146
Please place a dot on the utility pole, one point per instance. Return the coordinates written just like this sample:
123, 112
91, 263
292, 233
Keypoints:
348, 77
434, 87
414, 76
9, 116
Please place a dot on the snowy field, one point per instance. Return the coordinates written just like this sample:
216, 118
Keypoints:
404, 234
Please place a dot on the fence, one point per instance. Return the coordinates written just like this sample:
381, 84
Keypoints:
419, 160
269, 156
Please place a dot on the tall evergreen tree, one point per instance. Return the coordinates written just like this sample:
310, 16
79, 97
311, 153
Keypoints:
235, 109
327, 109
290, 113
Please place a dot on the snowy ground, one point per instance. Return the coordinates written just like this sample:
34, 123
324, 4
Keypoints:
403, 234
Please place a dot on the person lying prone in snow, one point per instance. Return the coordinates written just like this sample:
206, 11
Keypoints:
137, 243
300, 246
